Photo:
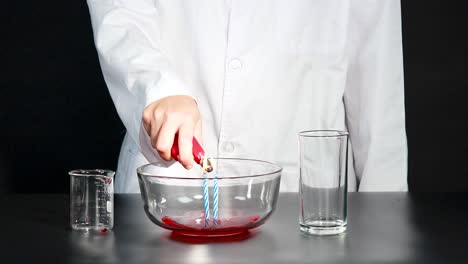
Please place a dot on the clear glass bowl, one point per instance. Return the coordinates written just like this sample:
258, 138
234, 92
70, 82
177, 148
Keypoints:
174, 197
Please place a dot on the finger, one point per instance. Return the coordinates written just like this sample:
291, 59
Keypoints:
155, 128
185, 144
165, 139
198, 133
147, 118
147, 127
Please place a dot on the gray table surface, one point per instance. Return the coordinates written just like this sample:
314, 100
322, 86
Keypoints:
382, 228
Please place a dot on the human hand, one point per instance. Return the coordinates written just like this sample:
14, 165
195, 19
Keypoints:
167, 116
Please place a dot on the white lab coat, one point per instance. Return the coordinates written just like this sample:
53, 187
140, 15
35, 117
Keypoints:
261, 71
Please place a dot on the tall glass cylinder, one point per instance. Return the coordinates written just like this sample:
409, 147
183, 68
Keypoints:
323, 181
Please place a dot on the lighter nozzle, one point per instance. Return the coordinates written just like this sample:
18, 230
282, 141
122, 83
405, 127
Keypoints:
206, 164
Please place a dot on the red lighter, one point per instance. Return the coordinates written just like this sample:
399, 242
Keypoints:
197, 151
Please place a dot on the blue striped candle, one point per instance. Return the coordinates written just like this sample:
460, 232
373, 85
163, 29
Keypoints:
215, 199
206, 200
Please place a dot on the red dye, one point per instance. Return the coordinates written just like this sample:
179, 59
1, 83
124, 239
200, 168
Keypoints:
104, 230
224, 227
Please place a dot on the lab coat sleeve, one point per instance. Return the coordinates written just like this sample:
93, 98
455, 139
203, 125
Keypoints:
136, 71
374, 95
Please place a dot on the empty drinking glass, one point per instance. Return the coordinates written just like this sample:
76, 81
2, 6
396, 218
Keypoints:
323, 181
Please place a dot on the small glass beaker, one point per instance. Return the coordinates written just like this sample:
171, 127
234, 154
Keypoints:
323, 181
92, 199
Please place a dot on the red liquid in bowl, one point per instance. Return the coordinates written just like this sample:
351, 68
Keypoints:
192, 226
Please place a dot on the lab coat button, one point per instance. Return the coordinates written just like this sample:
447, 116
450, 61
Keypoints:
228, 147
235, 64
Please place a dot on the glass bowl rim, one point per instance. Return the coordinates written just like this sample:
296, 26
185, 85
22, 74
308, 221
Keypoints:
209, 176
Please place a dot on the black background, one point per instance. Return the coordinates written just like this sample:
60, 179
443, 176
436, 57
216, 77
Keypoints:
56, 113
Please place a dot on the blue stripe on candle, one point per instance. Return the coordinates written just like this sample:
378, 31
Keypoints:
206, 200
215, 199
